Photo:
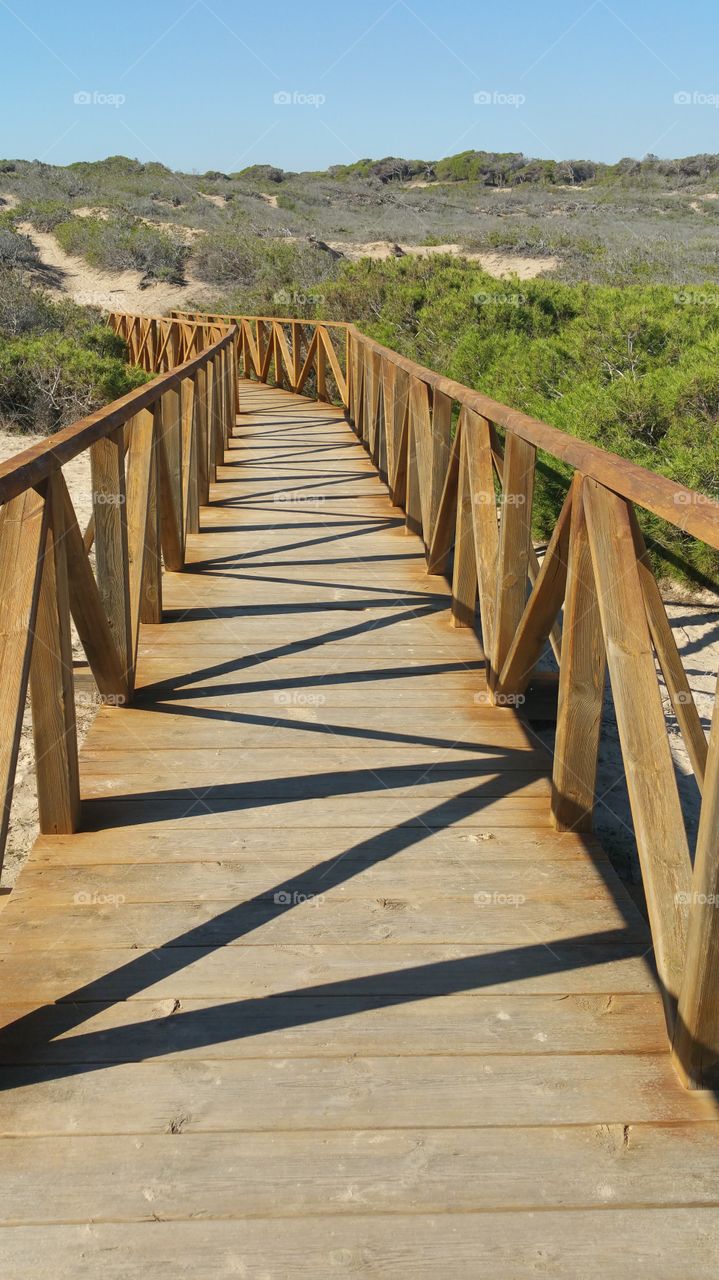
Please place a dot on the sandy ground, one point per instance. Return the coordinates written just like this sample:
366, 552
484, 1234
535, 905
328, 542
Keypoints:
268, 199
110, 290
500, 265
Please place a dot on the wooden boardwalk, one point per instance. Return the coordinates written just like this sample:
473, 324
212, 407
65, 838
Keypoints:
318, 991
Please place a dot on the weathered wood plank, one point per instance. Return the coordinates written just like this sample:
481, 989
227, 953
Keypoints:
657, 815
605, 1244
581, 685
52, 688
23, 529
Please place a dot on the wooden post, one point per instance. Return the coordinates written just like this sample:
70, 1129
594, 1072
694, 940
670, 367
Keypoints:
464, 574
477, 435
218, 411
321, 368
23, 525
413, 492
151, 591
296, 353
696, 1038
542, 608
107, 457
200, 394
231, 386
581, 684
190, 490
651, 782
441, 443
168, 421
139, 470
52, 686
515, 540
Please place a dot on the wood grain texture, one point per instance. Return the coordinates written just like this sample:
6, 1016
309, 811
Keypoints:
52, 688
657, 815
317, 980
581, 684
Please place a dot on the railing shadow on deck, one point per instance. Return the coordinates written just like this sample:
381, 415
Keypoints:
462, 468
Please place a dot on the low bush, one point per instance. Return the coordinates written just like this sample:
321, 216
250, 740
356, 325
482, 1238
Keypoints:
119, 243
632, 370
58, 362
257, 272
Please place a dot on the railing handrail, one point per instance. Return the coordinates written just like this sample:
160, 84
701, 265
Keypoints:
153, 456
33, 465
216, 317
468, 492
652, 491
684, 508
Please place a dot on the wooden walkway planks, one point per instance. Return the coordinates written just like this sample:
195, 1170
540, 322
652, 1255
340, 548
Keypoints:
318, 982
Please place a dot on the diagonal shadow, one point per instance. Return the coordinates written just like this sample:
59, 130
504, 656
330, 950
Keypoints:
27, 1038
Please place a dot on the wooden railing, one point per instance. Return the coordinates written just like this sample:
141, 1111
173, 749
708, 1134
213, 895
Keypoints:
306, 356
462, 467
152, 455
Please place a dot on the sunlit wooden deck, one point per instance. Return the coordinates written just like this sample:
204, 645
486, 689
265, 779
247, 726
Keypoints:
317, 990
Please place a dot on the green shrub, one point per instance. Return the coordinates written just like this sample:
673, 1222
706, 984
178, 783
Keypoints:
58, 361
261, 274
46, 215
633, 370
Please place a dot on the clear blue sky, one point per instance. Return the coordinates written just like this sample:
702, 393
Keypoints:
566, 79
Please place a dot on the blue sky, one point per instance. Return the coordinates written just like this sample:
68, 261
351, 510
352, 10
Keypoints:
193, 83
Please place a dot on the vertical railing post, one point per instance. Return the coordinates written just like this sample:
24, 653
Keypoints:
231, 389
168, 423
218, 412
515, 540
52, 687
107, 459
151, 592
321, 366
203, 476
190, 490
296, 353
696, 1037
464, 571
440, 436
582, 672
